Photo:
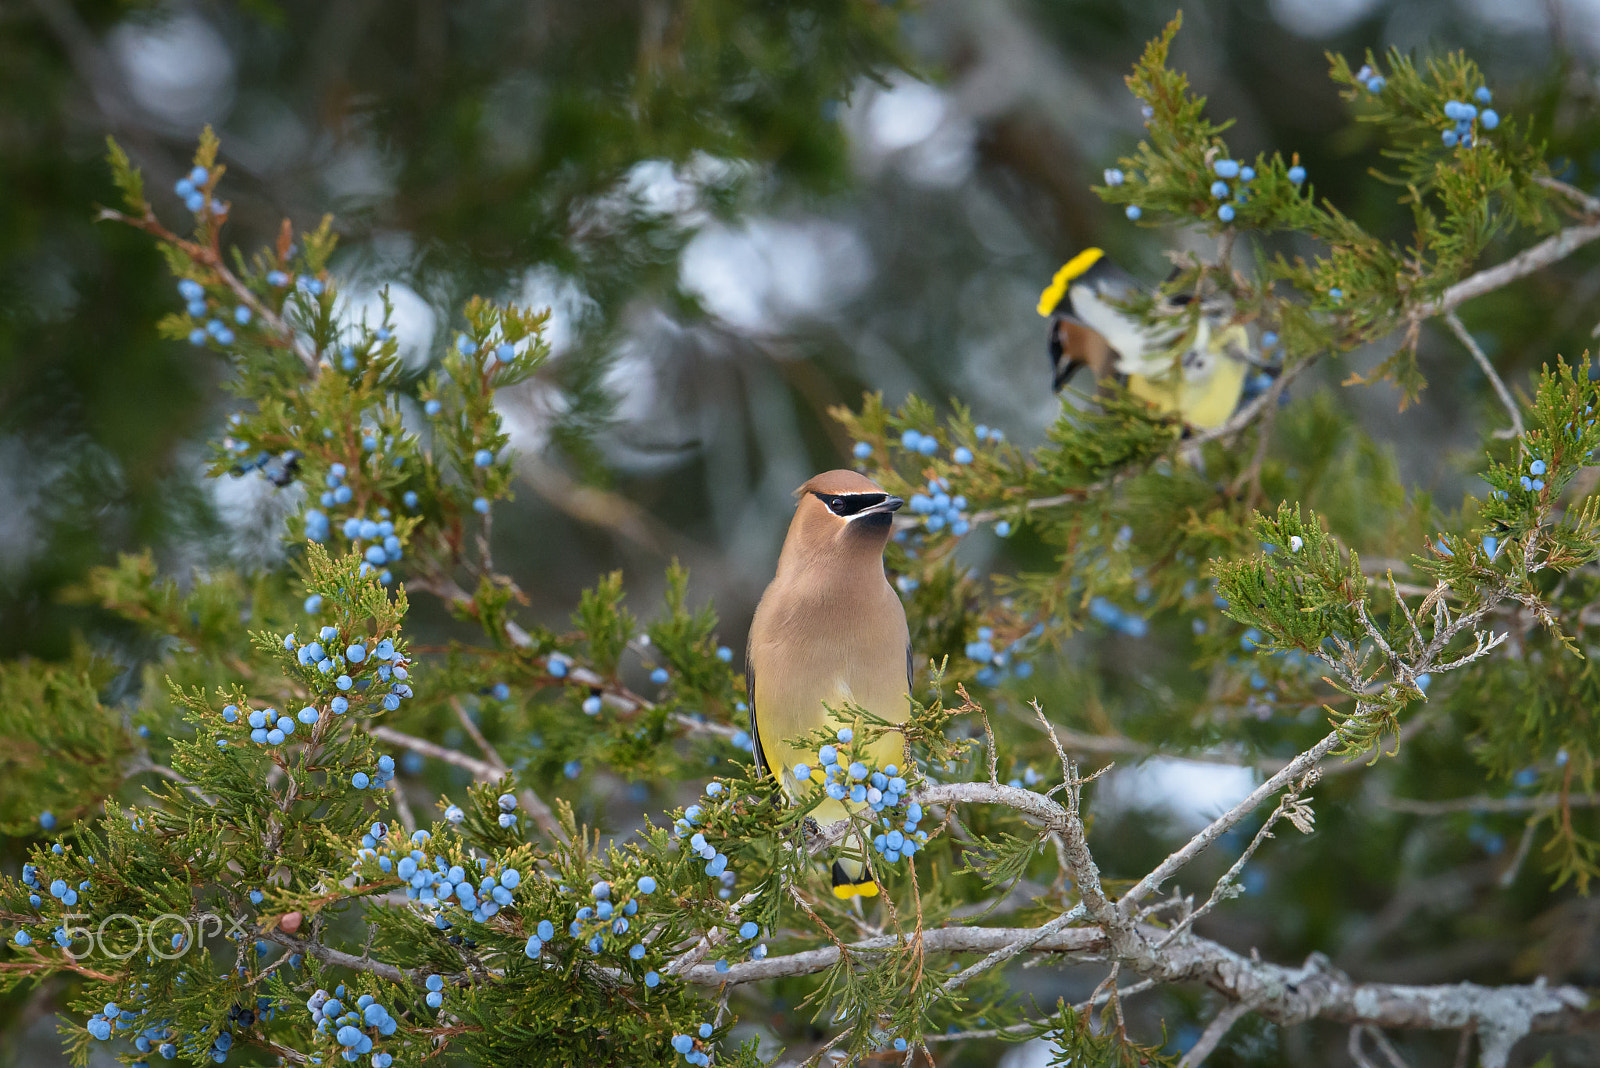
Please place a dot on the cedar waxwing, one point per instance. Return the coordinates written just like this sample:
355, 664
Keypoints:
1088, 329
830, 630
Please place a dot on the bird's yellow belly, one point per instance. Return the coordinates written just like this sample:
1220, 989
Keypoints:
795, 715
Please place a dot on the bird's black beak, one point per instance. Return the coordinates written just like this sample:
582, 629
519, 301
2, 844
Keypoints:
1065, 369
877, 517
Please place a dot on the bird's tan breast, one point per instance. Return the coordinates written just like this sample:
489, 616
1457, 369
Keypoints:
811, 649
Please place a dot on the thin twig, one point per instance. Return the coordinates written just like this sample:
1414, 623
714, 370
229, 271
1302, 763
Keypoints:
481, 769
1556, 247
1214, 1033
1536, 803
1453, 321
484, 770
402, 807
1291, 807
1225, 822
1590, 205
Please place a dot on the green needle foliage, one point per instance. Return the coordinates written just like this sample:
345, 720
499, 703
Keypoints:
226, 853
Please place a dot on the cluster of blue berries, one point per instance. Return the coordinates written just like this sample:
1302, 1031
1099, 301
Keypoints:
918, 442
1464, 116
716, 861
112, 1016
690, 1048
378, 779
1228, 170
507, 818
926, 444
191, 188
591, 923
330, 660
997, 662
902, 841
438, 882
941, 509
59, 889
384, 547
280, 470
351, 1025
879, 790
503, 352
1371, 79
1109, 614
383, 544
854, 780
1533, 481
216, 327
161, 1035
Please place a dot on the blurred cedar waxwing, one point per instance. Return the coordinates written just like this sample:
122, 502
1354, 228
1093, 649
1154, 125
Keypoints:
1087, 329
830, 629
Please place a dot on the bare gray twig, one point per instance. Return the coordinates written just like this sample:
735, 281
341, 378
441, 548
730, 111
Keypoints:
1453, 321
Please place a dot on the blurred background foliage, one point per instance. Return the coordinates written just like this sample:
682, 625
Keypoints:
741, 214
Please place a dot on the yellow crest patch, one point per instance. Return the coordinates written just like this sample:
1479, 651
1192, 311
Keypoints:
1073, 268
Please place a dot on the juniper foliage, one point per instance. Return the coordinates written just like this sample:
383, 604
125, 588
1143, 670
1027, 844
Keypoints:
267, 877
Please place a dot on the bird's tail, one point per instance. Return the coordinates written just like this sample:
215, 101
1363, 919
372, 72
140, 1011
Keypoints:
852, 875
853, 878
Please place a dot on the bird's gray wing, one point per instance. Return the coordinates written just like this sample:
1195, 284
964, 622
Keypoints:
755, 731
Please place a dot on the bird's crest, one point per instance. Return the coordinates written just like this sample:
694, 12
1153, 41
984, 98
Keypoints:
1073, 268
839, 481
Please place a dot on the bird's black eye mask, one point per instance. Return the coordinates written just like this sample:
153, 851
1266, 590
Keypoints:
848, 504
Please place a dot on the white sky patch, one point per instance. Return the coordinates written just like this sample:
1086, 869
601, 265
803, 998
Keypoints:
766, 271
1192, 791
907, 113
916, 127
1034, 1053
179, 70
414, 320
527, 422
655, 186
1320, 18
253, 510
631, 380
663, 189
546, 287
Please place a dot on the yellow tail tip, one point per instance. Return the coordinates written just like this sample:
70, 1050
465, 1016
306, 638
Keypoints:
846, 891
1071, 269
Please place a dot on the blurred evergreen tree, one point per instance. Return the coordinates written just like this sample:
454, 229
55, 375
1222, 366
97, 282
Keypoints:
592, 155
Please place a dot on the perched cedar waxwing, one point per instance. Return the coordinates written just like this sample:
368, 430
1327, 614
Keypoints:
830, 630
1087, 329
